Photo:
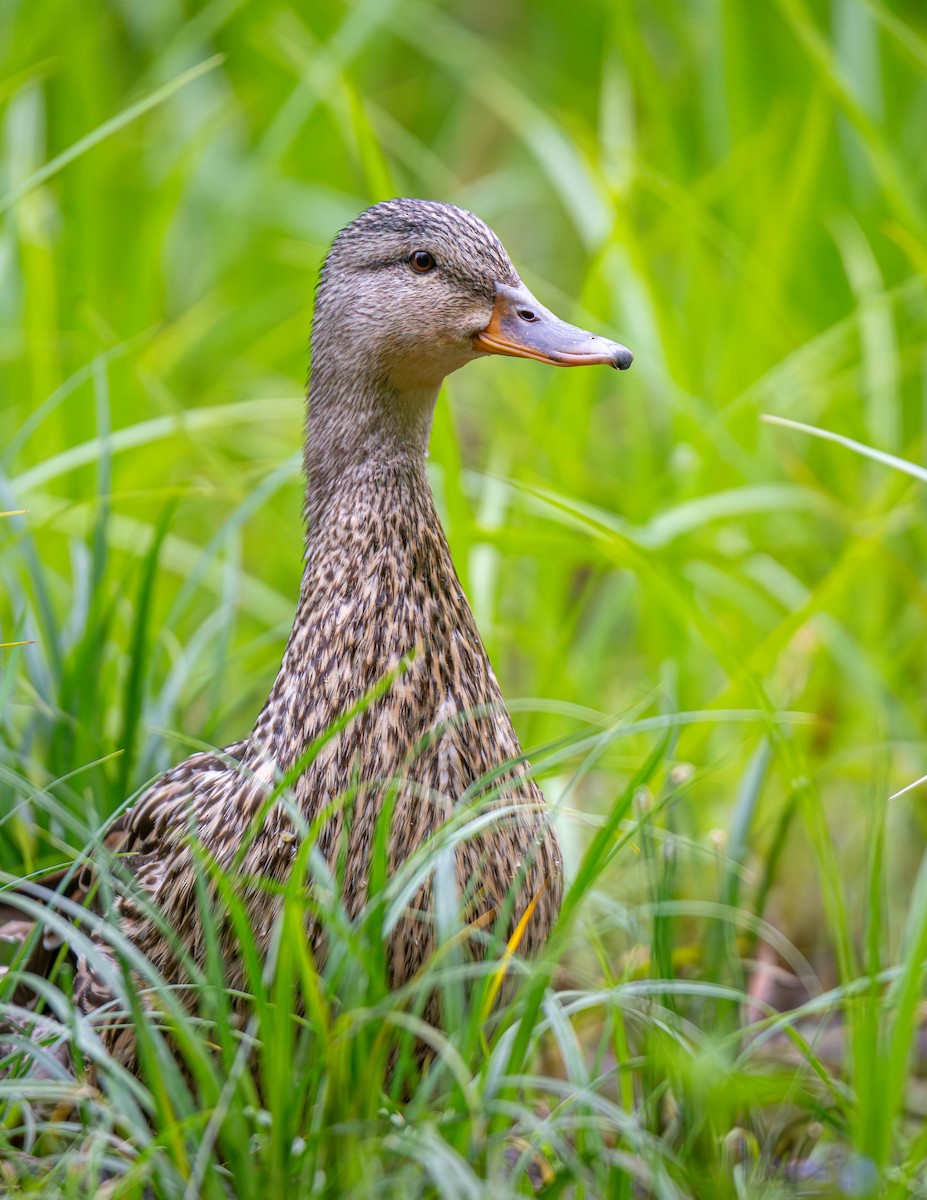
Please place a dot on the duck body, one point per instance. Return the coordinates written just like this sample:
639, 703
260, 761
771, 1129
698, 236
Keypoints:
385, 694
380, 600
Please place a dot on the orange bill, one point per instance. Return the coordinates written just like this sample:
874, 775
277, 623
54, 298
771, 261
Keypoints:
523, 328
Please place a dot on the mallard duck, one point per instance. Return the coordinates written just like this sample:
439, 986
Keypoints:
410, 291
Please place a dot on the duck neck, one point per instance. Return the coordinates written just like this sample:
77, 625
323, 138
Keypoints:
358, 427
378, 582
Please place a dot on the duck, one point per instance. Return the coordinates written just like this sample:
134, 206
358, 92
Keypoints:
385, 693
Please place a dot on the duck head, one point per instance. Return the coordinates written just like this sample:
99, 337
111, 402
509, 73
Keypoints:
411, 291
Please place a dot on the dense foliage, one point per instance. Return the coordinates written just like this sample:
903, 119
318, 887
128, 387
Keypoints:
712, 627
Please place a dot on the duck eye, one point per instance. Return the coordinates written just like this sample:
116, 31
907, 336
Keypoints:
421, 261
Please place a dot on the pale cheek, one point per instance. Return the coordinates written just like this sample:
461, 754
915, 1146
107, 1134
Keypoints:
420, 369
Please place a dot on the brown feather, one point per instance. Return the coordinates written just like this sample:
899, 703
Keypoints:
379, 596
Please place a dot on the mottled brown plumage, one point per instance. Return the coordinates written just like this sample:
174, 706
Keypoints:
379, 601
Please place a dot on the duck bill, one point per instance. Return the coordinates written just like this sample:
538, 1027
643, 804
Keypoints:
522, 327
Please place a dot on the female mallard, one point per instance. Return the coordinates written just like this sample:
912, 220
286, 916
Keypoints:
410, 291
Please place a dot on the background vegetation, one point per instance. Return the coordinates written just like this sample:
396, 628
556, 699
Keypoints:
712, 627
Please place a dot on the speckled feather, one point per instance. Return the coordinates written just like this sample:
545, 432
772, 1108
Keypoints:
379, 595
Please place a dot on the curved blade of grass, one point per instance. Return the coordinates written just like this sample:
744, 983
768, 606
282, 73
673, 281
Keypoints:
879, 456
107, 129
143, 433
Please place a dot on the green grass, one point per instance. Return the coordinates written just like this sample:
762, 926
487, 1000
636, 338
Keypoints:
711, 626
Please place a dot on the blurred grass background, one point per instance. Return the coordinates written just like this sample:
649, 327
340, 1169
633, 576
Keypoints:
734, 190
